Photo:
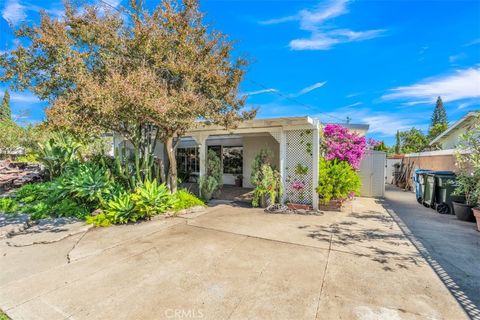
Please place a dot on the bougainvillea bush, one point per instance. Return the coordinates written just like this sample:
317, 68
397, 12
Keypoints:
343, 145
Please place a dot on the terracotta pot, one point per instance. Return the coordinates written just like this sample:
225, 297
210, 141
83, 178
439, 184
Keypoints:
333, 205
298, 206
463, 211
476, 213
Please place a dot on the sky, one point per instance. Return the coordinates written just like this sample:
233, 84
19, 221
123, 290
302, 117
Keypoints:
381, 62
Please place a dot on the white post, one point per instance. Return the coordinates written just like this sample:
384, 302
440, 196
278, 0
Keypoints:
315, 156
283, 163
201, 141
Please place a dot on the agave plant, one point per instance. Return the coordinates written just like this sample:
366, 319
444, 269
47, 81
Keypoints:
58, 152
87, 182
152, 198
121, 209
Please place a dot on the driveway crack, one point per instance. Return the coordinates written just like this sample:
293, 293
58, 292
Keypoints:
75, 244
324, 275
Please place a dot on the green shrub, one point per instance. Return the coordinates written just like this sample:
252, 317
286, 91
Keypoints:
100, 220
42, 200
185, 200
336, 180
8, 205
152, 198
208, 187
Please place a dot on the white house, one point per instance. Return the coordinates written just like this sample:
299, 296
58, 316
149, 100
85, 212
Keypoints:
294, 142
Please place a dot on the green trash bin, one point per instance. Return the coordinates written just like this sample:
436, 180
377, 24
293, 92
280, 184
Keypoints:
429, 190
444, 186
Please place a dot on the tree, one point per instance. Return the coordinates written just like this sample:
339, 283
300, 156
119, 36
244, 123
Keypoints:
436, 130
145, 76
413, 141
439, 120
439, 114
398, 145
5, 111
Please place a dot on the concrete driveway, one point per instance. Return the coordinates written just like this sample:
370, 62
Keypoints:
228, 263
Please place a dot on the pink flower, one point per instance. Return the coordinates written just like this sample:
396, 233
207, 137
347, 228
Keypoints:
343, 145
298, 185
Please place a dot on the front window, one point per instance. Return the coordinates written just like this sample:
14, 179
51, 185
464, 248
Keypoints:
232, 160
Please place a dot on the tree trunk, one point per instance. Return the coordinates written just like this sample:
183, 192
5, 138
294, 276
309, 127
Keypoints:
172, 170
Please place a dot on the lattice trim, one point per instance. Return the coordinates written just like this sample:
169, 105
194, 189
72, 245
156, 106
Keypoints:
299, 166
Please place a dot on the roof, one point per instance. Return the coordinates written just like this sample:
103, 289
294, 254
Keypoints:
266, 124
455, 126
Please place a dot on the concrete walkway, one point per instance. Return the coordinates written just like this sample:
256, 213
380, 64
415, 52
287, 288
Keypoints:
229, 263
452, 244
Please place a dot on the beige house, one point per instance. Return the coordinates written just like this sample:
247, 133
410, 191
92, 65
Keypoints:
294, 141
444, 158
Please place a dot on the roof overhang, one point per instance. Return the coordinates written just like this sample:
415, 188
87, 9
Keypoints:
454, 127
257, 126
269, 125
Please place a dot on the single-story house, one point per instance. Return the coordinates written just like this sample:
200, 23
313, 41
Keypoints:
294, 142
446, 143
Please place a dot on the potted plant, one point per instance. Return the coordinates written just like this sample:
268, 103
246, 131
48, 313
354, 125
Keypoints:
239, 181
466, 185
267, 187
468, 179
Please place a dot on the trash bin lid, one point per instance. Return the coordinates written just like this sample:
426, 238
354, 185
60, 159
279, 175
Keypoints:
418, 171
444, 173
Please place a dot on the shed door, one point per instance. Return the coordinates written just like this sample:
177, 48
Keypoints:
372, 174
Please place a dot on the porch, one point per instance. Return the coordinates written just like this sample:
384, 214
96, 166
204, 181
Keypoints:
294, 143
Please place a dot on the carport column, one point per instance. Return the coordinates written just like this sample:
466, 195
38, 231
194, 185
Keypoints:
201, 140
283, 163
315, 159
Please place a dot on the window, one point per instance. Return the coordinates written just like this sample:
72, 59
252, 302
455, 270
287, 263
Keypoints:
232, 160
187, 160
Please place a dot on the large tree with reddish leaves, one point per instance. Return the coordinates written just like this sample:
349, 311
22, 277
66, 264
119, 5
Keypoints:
144, 75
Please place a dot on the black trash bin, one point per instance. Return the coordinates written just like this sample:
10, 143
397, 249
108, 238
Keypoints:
429, 190
444, 186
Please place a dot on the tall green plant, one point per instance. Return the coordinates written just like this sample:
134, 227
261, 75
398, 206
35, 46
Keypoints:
264, 156
213, 181
468, 163
336, 180
267, 185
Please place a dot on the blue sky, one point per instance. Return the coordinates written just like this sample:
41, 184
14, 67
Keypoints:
376, 62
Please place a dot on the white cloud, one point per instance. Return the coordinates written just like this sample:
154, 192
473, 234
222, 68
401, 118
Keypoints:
253, 93
310, 88
14, 12
464, 84
326, 40
354, 104
323, 37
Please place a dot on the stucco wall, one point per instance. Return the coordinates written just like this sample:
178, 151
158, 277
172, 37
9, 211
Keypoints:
439, 162
251, 146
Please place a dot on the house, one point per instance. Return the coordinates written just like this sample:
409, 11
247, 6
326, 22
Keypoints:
446, 143
294, 141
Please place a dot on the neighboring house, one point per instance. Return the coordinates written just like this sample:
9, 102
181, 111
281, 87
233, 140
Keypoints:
294, 141
446, 143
